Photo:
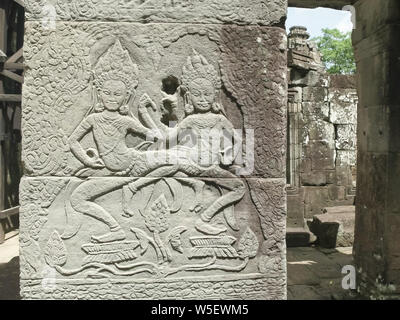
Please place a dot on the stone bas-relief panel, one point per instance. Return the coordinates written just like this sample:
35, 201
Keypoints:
109, 209
263, 12
170, 238
94, 91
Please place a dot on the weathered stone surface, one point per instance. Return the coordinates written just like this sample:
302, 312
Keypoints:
162, 241
321, 130
154, 153
303, 55
311, 78
343, 176
265, 12
337, 192
343, 106
315, 94
346, 158
249, 63
342, 81
315, 273
376, 249
377, 129
297, 237
295, 199
346, 137
314, 178
316, 110
322, 155
315, 199
334, 228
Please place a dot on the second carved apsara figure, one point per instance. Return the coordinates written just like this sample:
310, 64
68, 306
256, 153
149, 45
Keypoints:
206, 125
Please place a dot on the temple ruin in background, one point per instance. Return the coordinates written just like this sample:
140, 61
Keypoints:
322, 136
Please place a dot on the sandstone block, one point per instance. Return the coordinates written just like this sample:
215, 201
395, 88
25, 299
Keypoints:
315, 94
247, 62
261, 12
346, 137
335, 228
343, 106
314, 178
322, 155
316, 199
164, 249
346, 158
107, 212
321, 130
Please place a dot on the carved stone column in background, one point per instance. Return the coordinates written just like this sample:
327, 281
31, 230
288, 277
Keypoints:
105, 215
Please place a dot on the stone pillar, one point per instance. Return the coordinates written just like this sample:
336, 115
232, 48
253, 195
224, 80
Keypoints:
377, 231
108, 208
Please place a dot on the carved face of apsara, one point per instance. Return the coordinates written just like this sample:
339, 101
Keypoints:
113, 94
202, 93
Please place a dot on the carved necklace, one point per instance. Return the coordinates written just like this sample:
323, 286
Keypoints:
109, 126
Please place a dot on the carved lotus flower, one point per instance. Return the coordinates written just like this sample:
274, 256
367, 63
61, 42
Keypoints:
55, 252
248, 244
156, 215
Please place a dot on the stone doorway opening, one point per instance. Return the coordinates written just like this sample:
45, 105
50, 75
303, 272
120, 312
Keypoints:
321, 165
321, 139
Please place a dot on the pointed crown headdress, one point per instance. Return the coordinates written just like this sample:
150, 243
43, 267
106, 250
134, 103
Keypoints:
116, 64
198, 67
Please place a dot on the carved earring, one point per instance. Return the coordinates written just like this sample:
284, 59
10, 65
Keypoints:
98, 107
189, 109
216, 108
124, 110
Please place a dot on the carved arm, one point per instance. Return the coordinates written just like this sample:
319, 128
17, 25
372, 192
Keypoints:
76, 148
144, 104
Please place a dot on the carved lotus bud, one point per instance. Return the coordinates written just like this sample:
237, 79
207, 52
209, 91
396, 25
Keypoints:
156, 215
55, 252
248, 244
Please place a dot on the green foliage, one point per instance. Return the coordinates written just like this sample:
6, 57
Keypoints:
337, 51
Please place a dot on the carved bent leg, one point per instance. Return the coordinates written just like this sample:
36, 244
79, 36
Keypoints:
179, 172
82, 201
156, 174
236, 192
197, 186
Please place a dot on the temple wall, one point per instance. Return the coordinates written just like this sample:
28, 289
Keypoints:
111, 210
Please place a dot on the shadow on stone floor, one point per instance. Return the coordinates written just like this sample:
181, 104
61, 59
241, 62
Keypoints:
9, 280
316, 274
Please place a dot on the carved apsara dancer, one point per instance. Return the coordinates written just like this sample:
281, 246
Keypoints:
115, 80
204, 116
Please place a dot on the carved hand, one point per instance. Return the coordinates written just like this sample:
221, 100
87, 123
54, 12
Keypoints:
172, 99
95, 163
154, 134
145, 102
